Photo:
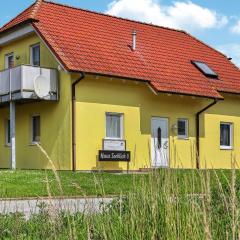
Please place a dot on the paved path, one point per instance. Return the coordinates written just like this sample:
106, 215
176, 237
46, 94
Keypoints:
72, 205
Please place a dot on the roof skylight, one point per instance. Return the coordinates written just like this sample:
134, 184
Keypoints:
205, 69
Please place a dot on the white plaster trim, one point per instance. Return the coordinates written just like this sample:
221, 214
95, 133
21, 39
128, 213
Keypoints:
150, 87
19, 33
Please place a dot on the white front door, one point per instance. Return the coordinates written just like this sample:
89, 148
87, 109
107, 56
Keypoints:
160, 142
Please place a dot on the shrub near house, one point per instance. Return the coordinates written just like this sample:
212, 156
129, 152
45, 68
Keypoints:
84, 82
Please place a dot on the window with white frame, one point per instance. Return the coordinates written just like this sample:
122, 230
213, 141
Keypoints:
9, 60
7, 132
35, 55
182, 128
114, 125
226, 135
36, 130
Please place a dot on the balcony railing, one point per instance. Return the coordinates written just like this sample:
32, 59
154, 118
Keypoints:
18, 83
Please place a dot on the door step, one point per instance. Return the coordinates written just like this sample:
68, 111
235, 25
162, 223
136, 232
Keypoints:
147, 169
151, 169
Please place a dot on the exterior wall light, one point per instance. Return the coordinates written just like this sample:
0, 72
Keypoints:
174, 127
59, 68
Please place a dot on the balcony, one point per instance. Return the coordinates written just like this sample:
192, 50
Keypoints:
19, 84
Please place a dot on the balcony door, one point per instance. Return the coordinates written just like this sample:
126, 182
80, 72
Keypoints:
9, 61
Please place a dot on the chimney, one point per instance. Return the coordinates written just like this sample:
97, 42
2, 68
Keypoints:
134, 40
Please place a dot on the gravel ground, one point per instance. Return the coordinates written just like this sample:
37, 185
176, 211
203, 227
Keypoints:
71, 205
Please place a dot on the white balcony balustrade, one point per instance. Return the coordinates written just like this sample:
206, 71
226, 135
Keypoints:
19, 84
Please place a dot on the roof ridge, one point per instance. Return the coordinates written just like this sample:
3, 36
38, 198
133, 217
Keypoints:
207, 45
112, 16
214, 49
36, 7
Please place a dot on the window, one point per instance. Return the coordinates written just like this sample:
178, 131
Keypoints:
114, 125
9, 60
226, 138
182, 128
35, 129
205, 69
35, 55
7, 133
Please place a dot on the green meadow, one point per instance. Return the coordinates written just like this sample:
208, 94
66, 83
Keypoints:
163, 204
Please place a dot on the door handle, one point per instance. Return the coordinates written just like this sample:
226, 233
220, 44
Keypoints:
159, 137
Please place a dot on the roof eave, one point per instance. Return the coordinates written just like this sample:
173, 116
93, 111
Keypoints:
149, 82
192, 95
12, 28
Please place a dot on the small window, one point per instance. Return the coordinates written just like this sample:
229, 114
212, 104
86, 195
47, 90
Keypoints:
36, 129
7, 133
182, 128
9, 60
226, 135
35, 55
114, 125
205, 69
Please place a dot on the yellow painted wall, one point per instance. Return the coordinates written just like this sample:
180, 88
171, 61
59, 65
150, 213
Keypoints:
138, 103
212, 156
95, 97
55, 117
4, 150
22, 48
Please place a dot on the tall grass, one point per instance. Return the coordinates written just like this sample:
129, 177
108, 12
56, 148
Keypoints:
167, 204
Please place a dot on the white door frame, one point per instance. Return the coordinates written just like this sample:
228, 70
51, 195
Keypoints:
168, 149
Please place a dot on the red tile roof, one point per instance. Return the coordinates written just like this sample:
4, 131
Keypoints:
97, 43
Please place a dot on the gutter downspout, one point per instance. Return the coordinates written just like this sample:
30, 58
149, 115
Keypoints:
74, 120
198, 130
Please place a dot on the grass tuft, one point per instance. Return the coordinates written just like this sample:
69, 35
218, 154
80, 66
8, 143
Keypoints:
164, 204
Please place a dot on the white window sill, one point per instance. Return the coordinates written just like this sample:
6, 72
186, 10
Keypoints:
183, 138
226, 148
8, 145
34, 143
114, 139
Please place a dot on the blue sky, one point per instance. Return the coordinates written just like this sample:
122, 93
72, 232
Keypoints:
216, 22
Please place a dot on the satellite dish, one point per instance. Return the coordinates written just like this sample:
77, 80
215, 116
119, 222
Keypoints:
41, 86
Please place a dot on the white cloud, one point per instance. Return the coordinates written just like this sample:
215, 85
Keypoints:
236, 28
181, 15
231, 50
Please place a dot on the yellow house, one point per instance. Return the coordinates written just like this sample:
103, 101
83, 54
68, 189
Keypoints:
86, 91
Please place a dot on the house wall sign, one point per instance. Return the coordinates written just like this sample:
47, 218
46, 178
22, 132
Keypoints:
114, 145
118, 156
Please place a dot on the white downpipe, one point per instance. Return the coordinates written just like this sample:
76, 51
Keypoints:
12, 134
